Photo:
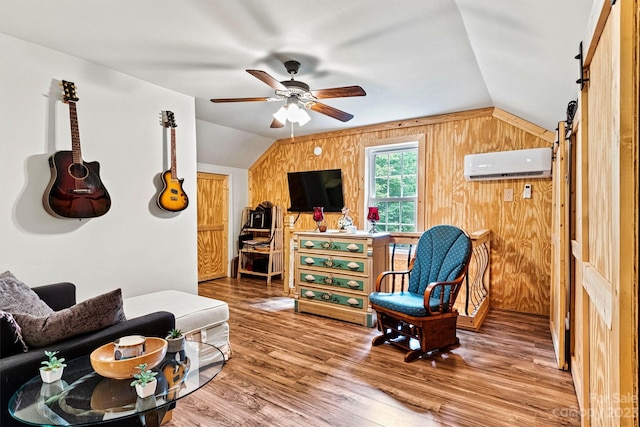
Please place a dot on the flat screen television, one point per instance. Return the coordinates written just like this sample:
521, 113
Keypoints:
316, 188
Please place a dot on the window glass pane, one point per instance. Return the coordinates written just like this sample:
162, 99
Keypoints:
408, 212
408, 229
382, 211
395, 164
392, 227
411, 163
381, 187
382, 164
393, 213
409, 186
395, 186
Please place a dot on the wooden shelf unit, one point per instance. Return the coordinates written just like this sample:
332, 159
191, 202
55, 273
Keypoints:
266, 258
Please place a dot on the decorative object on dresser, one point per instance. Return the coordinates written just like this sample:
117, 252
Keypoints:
318, 217
373, 216
260, 248
172, 197
335, 272
423, 318
75, 189
345, 220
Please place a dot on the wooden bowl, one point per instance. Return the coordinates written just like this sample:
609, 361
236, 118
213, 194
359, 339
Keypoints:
104, 364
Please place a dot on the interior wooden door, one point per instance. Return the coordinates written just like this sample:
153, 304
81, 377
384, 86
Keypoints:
213, 226
558, 316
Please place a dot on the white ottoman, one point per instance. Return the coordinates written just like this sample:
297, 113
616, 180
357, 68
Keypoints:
200, 318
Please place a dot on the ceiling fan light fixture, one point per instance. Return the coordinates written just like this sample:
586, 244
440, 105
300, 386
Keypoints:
292, 113
303, 117
281, 114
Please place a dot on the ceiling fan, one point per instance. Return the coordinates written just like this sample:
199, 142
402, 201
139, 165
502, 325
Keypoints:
297, 94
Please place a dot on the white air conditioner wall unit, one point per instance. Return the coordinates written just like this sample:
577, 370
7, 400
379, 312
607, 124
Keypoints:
530, 163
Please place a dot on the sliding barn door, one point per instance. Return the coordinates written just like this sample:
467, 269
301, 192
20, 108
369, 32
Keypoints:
213, 226
559, 313
605, 246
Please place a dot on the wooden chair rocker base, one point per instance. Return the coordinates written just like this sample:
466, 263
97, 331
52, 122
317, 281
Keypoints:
431, 332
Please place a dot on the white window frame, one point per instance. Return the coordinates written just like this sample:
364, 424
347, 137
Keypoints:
381, 147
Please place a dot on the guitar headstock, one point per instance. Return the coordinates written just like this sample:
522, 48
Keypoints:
168, 120
69, 92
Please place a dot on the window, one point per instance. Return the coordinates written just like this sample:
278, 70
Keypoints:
392, 185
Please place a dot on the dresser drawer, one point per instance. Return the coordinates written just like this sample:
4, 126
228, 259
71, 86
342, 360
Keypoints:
338, 280
329, 297
331, 263
334, 245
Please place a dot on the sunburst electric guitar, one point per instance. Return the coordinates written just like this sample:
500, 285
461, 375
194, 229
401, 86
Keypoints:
75, 189
172, 197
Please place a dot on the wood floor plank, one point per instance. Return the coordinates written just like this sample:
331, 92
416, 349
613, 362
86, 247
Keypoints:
295, 369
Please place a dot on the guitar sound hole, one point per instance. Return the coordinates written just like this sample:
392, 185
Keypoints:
78, 171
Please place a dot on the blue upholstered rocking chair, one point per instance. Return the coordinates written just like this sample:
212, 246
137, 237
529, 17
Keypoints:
424, 312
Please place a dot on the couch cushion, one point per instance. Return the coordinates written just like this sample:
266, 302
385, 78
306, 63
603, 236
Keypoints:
87, 316
12, 342
192, 312
16, 297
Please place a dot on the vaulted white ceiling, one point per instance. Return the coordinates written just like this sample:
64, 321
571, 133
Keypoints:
414, 58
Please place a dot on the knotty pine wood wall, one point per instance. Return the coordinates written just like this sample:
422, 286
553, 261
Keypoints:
520, 238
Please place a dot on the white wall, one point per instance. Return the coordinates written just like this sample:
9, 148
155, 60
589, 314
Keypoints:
135, 246
220, 145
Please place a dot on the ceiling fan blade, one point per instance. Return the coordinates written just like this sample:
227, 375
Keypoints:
339, 92
276, 124
239, 99
265, 77
331, 112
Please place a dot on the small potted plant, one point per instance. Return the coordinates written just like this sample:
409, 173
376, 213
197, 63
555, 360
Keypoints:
52, 368
145, 381
175, 341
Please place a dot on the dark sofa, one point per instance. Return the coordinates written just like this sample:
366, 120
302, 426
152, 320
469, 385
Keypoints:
17, 369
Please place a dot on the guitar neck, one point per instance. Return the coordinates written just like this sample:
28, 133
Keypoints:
75, 134
174, 172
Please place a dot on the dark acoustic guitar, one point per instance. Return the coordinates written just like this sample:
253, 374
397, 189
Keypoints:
172, 197
75, 189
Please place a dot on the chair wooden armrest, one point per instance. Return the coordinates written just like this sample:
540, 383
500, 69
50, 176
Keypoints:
455, 288
384, 274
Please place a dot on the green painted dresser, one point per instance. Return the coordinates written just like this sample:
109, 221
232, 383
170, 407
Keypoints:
335, 272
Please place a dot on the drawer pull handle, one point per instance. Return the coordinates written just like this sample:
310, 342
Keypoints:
309, 261
353, 302
353, 265
310, 294
308, 244
353, 284
352, 247
310, 278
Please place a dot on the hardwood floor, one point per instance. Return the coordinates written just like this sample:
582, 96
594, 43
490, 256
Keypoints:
295, 369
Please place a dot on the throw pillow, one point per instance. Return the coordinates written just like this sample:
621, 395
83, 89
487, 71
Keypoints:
87, 316
16, 297
12, 342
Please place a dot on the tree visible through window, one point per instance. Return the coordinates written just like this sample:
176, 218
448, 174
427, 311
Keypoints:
393, 186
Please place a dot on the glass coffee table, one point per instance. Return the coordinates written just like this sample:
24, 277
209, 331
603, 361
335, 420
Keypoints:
82, 397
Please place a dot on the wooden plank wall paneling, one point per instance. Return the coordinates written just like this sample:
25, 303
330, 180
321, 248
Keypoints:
520, 248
